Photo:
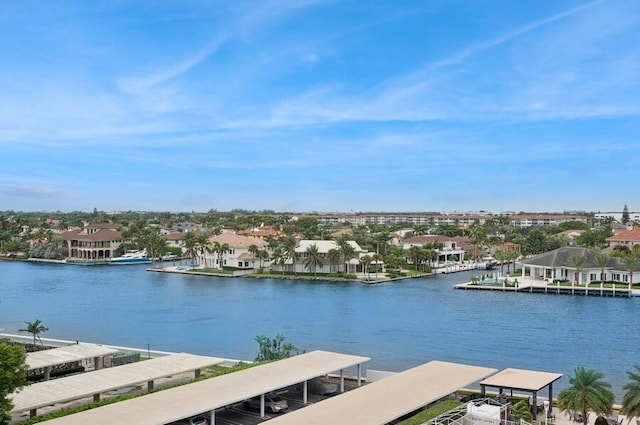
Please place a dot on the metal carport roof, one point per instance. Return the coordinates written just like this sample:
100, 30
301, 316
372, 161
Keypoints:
88, 384
201, 397
388, 399
67, 354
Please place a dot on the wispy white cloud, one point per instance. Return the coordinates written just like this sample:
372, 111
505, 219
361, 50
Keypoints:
444, 90
28, 190
142, 83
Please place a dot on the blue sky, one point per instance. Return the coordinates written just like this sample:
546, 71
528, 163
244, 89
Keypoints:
312, 105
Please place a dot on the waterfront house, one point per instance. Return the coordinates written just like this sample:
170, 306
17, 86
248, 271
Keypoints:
323, 250
175, 240
94, 242
557, 265
449, 249
238, 254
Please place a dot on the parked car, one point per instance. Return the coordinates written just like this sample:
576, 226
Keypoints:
321, 386
272, 403
195, 420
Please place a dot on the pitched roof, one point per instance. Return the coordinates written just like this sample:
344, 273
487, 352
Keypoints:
176, 236
100, 235
324, 246
237, 241
560, 258
627, 235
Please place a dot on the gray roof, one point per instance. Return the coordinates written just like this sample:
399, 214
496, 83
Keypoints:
560, 258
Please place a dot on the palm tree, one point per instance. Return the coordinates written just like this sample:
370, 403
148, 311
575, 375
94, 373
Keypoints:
587, 392
365, 261
414, 254
313, 259
631, 398
377, 258
190, 245
476, 236
221, 249
263, 254
278, 257
521, 411
348, 252
512, 256
601, 261
630, 263
343, 246
290, 250
333, 255
577, 261
202, 241
253, 250
501, 257
35, 328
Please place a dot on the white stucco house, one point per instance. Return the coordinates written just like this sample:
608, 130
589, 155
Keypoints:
557, 265
323, 249
238, 254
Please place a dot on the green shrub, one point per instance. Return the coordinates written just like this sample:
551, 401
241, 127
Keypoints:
431, 412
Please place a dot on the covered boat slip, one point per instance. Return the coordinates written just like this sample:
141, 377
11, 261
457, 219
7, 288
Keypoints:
68, 354
390, 398
205, 396
522, 380
97, 382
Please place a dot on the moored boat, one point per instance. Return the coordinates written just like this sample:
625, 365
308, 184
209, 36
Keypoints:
131, 257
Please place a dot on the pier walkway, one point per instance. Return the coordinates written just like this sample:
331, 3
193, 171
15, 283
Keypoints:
537, 286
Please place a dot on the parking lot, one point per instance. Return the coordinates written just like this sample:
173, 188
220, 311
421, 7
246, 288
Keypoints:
238, 414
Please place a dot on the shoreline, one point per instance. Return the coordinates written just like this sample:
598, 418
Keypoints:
253, 275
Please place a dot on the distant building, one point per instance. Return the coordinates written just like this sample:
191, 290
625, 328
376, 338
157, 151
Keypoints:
95, 242
261, 232
462, 220
528, 220
628, 237
617, 216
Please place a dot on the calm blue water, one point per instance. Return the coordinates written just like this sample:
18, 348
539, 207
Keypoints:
399, 325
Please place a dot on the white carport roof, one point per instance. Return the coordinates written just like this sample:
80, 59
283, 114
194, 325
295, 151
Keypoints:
521, 379
67, 354
87, 384
388, 399
166, 406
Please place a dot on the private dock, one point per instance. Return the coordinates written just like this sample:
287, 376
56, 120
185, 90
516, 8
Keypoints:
535, 286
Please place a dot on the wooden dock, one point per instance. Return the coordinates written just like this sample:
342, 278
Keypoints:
534, 287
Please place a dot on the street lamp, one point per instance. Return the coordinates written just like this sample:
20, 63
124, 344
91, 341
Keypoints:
545, 404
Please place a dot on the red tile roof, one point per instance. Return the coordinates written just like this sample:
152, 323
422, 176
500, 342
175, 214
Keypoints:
100, 235
630, 235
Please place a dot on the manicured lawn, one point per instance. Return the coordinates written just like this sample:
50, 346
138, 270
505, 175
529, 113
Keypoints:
431, 412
